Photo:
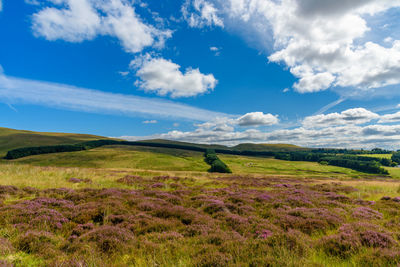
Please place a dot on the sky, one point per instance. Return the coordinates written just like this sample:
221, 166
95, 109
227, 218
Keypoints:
315, 73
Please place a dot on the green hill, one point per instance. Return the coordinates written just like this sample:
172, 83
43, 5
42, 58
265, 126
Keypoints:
269, 147
12, 139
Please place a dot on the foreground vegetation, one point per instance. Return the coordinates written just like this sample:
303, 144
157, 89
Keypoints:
207, 220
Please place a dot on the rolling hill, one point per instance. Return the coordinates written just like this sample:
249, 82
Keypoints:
12, 139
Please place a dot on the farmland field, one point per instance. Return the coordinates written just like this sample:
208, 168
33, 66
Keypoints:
137, 206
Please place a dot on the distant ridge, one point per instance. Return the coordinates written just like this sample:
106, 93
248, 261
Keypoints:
240, 147
12, 139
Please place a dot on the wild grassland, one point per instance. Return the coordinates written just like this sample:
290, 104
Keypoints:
270, 166
119, 206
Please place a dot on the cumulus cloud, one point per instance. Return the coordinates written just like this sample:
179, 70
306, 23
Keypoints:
314, 40
200, 13
80, 20
346, 129
347, 117
349, 136
164, 77
390, 118
257, 119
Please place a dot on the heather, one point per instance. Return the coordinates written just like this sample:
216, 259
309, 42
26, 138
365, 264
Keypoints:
177, 221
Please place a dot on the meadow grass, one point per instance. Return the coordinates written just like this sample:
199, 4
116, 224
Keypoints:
384, 156
270, 166
123, 157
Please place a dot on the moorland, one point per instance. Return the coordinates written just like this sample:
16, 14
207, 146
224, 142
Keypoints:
167, 205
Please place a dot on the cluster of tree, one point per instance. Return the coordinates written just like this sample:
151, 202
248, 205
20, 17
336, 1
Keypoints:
217, 165
359, 163
396, 157
351, 151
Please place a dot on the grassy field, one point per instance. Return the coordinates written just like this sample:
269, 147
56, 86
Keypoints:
270, 166
385, 156
124, 157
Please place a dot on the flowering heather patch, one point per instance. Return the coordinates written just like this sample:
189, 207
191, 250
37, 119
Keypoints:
229, 222
36, 242
264, 234
351, 237
77, 180
366, 213
5, 263
130, 180
308, 220
8, 190
158, 185
108, 239
39, 213
5, 247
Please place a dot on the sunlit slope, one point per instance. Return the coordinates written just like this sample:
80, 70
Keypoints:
124, 157
167, 159
269, 147
12, 139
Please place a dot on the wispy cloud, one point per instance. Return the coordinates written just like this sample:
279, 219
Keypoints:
21, 91
150, 122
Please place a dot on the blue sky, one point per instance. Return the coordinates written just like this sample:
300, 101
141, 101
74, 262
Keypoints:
308, 72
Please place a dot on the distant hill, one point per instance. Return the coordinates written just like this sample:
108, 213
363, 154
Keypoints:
269, 147
163, 141
240, 147
12, 139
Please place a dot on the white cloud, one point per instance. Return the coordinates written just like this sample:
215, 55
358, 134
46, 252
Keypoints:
123, 73
348, 117
1, 5
164, 77
80, 20
257, 119
390, 118
323, 43
349, 136
344, 129
21, 91
217, 50
150, 122
200, 13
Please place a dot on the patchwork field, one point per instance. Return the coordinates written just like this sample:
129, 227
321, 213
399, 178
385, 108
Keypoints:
136, 206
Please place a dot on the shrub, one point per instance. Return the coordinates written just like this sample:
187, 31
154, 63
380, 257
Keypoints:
211, 257
108, 239
5, 247
366, 213
36, 242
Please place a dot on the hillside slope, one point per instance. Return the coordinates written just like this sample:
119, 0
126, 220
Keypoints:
12, 139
